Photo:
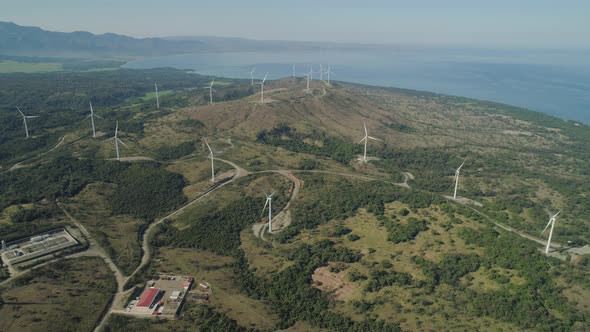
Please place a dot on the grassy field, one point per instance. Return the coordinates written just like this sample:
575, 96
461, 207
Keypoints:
9, 66
65, 296
117, 234
152, 95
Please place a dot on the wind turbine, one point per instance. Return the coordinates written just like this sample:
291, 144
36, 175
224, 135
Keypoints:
212, 165
552, 222
366, 139
157, 96
25, 117
262, 88
307, 79
252, 75
91, 116
211, 90
329, 71
117, 141
457, 179
269, 203
321, 72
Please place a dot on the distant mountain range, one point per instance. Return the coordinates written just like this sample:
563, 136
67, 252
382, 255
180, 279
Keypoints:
34, 41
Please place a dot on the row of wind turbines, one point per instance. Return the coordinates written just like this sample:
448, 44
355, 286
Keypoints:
309, 77
552, 219
90, 116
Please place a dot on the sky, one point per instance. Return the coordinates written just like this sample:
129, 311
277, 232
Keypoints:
480, 23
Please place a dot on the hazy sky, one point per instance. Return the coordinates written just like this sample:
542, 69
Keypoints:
544, 23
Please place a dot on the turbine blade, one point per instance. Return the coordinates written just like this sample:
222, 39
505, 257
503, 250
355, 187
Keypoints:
557, 214
365, 125
373, 138
88, 116
31, 116
544, 229
209, 147
364, 138
265, 76
125, 145
463, 163
98, 116
264, 208
21, 113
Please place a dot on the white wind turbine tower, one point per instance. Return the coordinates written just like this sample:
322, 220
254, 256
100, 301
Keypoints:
262, 88
211, 90
329, 71
212, 164
307, 79
366, 139
252, 75
117, 141
321, 72
25, 117
552, 223
269, 203
157, 96
457, 179
92, 116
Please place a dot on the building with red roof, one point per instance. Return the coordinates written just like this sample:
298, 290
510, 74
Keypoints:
147, 301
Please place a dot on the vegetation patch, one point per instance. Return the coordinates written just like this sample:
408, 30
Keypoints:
68, 295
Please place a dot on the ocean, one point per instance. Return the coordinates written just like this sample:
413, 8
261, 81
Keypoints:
549, 81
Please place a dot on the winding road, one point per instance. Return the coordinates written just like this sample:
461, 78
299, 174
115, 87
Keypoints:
96, 250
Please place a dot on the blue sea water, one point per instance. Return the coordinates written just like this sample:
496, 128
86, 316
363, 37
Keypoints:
553, 82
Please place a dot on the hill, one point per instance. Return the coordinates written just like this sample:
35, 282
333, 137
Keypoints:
358, 245
20, 40
23, 40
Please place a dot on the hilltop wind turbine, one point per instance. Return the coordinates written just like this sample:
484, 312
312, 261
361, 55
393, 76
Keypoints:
212, 164
329, 71
262, 88
25, 117
552, 223
269, 203
366, 139
211, 90
157, 97
92, 116
252, 75
308, 77
457, 179
117, 141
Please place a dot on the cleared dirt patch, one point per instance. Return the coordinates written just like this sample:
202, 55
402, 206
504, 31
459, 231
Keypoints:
333, 283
